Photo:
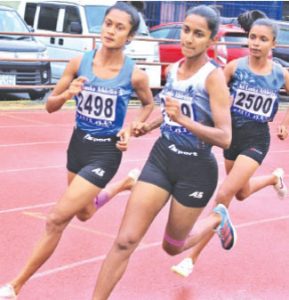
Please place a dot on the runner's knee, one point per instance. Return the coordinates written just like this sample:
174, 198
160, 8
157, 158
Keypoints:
127, 242
55, 222
224, 196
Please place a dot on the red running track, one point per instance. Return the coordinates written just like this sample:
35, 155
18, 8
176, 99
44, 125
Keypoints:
33, 176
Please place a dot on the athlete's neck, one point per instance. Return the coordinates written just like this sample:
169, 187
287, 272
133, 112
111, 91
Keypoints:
190, 66
107, 65
108, 57
260, 65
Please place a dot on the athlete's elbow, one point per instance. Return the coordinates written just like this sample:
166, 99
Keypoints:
226, 141
50, 108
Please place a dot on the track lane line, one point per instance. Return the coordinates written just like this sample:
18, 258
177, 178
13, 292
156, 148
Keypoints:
141, 248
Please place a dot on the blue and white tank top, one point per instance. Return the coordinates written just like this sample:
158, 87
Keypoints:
255, 97
102, 104
195, 104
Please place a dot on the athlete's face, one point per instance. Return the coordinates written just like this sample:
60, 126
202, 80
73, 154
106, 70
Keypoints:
116, 28
261, 41
195, 36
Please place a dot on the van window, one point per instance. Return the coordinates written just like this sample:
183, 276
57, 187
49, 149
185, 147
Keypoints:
94, 23
48, 18
29, 14
71, 15
11, 22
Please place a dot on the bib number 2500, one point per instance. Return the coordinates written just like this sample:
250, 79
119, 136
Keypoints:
254, 103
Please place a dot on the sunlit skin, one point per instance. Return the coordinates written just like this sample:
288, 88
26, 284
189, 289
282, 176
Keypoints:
116, 29
195, 37
261, 41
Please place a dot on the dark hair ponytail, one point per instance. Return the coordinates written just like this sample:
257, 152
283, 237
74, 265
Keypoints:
131, 11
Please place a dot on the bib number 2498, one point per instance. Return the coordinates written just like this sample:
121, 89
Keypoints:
97, 105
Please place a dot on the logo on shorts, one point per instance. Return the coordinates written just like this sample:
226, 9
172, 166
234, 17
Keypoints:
94, 139
173, 148
99, 172
256, 150
197, 195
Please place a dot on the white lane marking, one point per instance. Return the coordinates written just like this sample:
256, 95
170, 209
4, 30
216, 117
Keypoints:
140, 248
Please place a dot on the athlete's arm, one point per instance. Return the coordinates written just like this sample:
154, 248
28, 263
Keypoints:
66, 87
219, 135
140, 83
282, 130
229, 70
146, 127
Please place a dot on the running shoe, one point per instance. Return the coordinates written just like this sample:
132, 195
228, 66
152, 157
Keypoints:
226, 231
134, 174
7, 292
280, 186
184, 268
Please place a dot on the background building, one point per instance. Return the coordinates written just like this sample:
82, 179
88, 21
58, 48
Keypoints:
157, 12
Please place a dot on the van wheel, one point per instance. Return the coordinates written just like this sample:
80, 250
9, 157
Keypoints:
36, 95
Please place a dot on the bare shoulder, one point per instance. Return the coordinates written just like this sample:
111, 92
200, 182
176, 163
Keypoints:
167, 70
139, 77
74, 63
231, 66
215, 78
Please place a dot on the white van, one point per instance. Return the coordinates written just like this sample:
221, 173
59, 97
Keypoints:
15, 73
83, 18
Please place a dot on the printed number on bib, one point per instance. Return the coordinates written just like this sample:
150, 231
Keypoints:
97, 105
186, 108
254, 103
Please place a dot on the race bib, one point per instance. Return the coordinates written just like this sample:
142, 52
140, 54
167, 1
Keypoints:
97, 105
186, 108
254, 104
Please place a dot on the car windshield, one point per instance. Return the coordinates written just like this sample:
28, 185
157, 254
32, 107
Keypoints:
162, 33
11, 22
94, 23
283, 36
236, 38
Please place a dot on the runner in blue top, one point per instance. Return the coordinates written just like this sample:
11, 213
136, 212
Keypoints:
181, 167
254, 83
102, 83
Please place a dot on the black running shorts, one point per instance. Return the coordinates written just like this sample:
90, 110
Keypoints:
189, 175
94, 158
251, 139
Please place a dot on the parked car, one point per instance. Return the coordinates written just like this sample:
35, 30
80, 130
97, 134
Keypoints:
83, 18
281, 54
171, 51
20, 46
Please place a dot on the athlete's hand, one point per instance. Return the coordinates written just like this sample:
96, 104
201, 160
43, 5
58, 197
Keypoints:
140, 128
173, 109
124, 135
76, 86
282, 132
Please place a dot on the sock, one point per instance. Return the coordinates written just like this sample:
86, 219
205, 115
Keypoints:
101, 199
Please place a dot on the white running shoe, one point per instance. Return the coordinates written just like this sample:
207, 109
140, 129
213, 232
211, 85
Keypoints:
184, 268
134, 174
280, 186
7, 292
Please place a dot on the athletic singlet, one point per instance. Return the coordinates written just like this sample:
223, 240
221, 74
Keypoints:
195, 104
102, 104
255, 97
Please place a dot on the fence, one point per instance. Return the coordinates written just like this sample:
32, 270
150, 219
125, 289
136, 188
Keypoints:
157, 12
94, 38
